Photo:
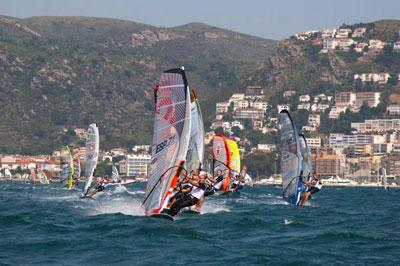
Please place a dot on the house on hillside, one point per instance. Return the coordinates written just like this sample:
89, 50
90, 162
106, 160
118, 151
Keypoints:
359, 32
254, 92
328, 33
345, 44
281, 107
393, 109
359, 48
314, 120
288, 94
222, 107
380, 78
304, 98
304, 106
396, 45
343, 33
376, 44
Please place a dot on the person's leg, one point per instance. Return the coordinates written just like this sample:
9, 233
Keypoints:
179, 204
199, 203
305, 198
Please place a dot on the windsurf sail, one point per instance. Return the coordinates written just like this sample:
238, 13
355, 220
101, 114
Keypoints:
195, 153
307, 163
222, 159
7, 173
42, 177
67, 168
291, 159
170, 138
234, 155
115, 174
92, 155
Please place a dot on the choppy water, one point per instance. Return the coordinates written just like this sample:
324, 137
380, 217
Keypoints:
47, 225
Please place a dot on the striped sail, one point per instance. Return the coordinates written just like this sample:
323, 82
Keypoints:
92, 155
42, 177
195, 154
221, 159
67, 168
291, 159
170, 138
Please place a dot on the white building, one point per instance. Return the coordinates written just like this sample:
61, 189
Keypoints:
288, 94
137, 164
281, 107
381, 78
236, 97
249, 113
359, 32
309, 128
396, 45
345, 44
259, 105
266, 147
329, 44
240, 104
320, 107
343, 33
328, 33
313, 142
376, 44
337, 140
304, 98
393, 109
376, 125
304, 106
238, 124
359, 48
222, 107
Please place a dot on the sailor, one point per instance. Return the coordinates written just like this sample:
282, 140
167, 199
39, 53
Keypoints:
218, 180
209, 190
314, 186
237, 183
101, 185
191, 198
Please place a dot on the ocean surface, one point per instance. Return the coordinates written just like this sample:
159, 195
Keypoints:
48, 225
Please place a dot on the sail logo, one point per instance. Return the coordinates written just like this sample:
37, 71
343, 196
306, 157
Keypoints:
162, 145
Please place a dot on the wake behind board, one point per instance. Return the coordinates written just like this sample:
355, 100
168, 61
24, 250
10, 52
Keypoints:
190, 211
163, 216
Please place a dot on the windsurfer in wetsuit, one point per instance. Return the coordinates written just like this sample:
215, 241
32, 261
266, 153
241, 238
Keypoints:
218, 180
101, 185
238, 183
183, 186
191, 198
314, 186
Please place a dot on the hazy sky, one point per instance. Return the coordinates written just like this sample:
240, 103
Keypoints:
272, 19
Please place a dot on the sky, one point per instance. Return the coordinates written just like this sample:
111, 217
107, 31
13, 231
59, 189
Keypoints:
264, 18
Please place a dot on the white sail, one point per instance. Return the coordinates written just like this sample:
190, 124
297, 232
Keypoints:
7, 173
115, 174
92, 155
170, 138
195, 153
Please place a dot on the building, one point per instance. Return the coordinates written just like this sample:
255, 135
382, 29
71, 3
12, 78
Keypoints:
249, 113
141, 148
309, 128
393, 165
372, 99
314, 142
337, 140
396, 45
266, 147
345, 99
314, 120
343, 33
376, 44
137, 164
393, 109
380, 78
222, 107
329, 44
320, 107
236, 97
122, 165
304, 98
282, 107
359, 32
304, 106
359, 48
345, 44
325, 165
240, 104
328, 33
259, 104
254, 91
288, 94
376, 125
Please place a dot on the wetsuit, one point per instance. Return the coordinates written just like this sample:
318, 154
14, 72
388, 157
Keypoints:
187, 199
101, 186
316, 188
218, 182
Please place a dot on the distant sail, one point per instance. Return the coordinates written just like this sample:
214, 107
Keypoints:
115, 174
170, 138
221, 159
67, 168
42, 177
384, 178
7, 173
195, 153
291, 159
92, 155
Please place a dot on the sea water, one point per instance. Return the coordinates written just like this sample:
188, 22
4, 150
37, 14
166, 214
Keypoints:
49, 225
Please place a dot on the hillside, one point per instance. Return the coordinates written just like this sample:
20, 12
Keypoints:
60, 73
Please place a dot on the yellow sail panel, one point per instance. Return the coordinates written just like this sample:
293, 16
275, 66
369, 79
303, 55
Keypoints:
234, 155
